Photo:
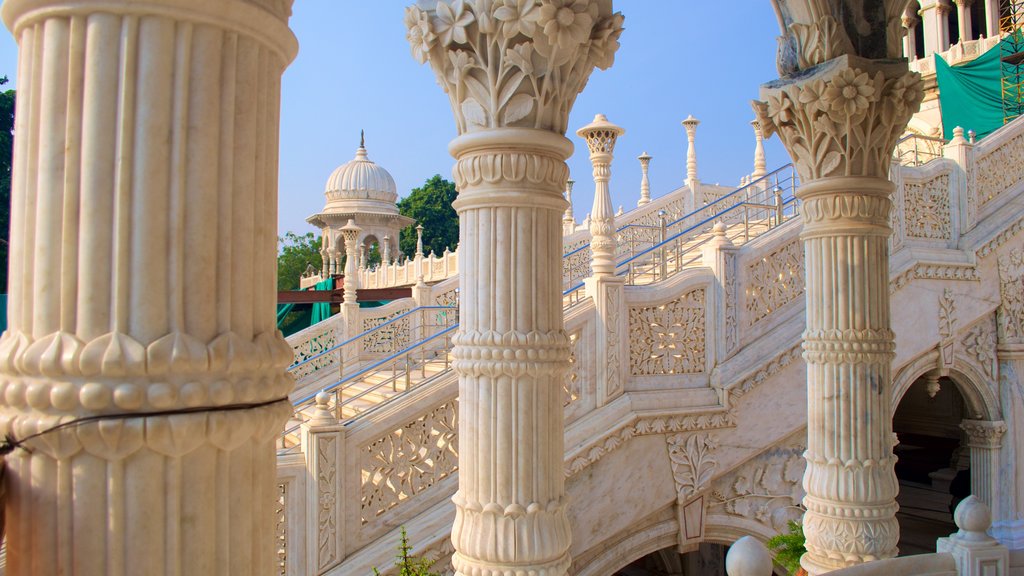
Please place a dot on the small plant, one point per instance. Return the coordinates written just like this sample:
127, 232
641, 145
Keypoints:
409, 565
789, 547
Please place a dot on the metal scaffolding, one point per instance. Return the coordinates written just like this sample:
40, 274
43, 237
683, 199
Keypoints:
1011, 18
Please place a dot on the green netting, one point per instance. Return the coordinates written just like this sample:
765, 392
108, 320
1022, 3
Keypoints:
322, 310
970, 94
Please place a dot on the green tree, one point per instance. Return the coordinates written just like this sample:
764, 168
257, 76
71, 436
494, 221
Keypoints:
431, 206
409, 565
7, 100
296, 253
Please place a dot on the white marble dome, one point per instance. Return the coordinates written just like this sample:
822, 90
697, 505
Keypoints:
359, 181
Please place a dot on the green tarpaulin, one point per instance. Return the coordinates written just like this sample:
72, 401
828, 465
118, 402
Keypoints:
970, 94
322, 310
292, 318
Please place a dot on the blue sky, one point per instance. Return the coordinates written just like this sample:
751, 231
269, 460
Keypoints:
678, 57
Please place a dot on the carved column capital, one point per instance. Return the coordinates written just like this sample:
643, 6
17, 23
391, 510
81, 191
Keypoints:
842, 120
984, 433
521, 64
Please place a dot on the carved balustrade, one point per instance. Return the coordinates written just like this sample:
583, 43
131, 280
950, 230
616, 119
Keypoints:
399, 465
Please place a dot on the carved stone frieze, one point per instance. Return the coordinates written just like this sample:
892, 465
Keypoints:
327, 494
840, 121
693, 462
777, 364
774, 281
999, 171
614, 439
964, 272
409, 460
281, 528
1002, 238
731, 294
518, 63
767, 488
1010, 315
670, 338
613, 336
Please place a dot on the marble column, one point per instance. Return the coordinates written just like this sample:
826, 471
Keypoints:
934, 25
840, 122
690, 124
991, 18
1008, 520
760, 163
143, 218
963, 13
910, 21
603, 285
512, 74
645, 181
568, 220
350, 305
942, 10
984, 439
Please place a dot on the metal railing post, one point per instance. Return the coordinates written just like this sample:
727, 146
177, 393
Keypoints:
664, 254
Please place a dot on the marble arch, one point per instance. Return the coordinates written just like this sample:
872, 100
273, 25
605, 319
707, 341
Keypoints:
980, 399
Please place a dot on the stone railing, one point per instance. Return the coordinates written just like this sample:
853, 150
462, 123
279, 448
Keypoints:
956, 54
702, 335
968, 552
432, 268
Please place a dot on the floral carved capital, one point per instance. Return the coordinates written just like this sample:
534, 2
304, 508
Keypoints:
843, 120
519, 63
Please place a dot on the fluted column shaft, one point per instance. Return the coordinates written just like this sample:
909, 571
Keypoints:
144, 205
511, 352
840, 123
963, 13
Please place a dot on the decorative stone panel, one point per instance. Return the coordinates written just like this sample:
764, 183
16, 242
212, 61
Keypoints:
927, 210
999, 170
670, 338
766, 489
409, 460
774, 281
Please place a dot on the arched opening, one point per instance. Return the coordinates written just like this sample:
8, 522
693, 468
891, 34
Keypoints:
707, 560
371, 251
934, 463
919, 39
977, 10
953, 26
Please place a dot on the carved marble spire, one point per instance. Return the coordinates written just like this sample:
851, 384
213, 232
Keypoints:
601, 136
568, 220
690, 124
512, 71
840, 124
144, 204
760, 163
645, 181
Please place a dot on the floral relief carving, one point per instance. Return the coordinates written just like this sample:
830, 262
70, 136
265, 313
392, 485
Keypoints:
766, 489
774, 281
947, 314
513, 62
1010, 315
409, 460
844, 122
573, 379
980, 344
693, 463
281, 528
999, 170
670, 338
327, 490
613, 340
732, 333
926, 212
576, 266
448, 298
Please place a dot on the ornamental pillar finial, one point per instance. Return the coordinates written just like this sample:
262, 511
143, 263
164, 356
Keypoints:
601, 136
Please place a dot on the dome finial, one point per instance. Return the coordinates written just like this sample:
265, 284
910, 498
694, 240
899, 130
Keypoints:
362, 139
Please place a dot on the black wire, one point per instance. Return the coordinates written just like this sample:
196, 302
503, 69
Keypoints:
10, 444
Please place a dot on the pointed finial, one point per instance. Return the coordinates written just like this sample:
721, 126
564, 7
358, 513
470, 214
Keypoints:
362, 139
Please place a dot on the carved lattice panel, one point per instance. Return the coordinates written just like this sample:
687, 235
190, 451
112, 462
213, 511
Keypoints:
390, 338
926, 211
670, 338
774, 281
999, 170
409, 460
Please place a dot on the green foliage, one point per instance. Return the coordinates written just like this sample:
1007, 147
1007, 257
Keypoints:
789, 547
7, 101
431, 206
409, 565
296, 253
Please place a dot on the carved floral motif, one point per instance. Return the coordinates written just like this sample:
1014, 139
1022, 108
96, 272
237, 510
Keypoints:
693, 463
386, 339
980, 344
774, 281
513, 62
766, 489
327, 493
281, 528
999, 171
926, 211
843, 122
670, 338
571, 386
409, 460
1011, 290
